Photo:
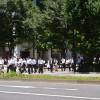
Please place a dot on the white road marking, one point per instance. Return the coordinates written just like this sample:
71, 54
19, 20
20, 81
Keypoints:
49, 95
17, 86
49, 88
71, 89
60, 89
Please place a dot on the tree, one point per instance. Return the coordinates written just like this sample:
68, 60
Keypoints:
2, 23
85, 23
82, 18
90, 26
33, 23
57, 21
12, 22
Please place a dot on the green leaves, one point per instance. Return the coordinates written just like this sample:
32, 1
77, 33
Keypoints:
53, 26
65, 16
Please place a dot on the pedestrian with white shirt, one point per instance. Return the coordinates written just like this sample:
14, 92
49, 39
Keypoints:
14, 59
5, 65
10, 65
22, 65
51, 61
56, 64
63, 67
40, 63
33, 63
1, 64
78, 61
48, 65
29, 66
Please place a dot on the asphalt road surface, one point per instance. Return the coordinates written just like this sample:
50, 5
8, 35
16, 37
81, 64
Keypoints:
23, 90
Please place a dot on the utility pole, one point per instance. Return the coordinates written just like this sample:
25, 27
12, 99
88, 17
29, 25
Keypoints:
74, 50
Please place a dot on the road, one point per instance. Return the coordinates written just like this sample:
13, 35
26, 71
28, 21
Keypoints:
24, 90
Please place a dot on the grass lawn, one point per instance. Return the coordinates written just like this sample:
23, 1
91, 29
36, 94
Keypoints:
12, 75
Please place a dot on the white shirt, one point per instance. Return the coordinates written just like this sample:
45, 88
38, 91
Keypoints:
71, 60
20, 61
63, 60
40, 61
48, 64
24, 62
1, 61
33, 61
68, 61
10, 62
28, 61
78, 60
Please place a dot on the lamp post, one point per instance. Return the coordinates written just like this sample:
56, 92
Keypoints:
13, 32
14, 37
74, 50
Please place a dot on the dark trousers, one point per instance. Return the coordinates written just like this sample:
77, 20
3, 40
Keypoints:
40, 68
11, 67
51, 67
22, 68
35, 68
63, 67
30, 68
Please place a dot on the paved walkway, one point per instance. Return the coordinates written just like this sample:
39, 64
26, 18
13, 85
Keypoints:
67, 73
71, 73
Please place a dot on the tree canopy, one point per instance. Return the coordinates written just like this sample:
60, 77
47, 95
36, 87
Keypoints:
59, 24
80, 16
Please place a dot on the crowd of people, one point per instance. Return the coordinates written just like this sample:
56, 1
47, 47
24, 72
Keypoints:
31, 65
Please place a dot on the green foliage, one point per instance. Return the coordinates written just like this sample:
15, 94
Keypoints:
57, 22
89, 26
66, 16
54, 26
11, 16
33, 20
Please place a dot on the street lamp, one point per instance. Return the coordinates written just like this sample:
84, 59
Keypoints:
13, 31
74, 50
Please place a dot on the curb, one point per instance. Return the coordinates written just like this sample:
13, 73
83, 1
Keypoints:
55, 81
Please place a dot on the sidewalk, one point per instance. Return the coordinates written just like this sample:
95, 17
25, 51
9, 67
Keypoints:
72, 74
67, 73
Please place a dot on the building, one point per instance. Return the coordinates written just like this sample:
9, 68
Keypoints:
24, 50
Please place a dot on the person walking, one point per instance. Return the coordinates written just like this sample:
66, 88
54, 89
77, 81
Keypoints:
63, 67
41, 63
29, 66
51, 64
56, 64
33, 63
1, 64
